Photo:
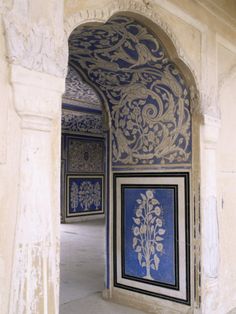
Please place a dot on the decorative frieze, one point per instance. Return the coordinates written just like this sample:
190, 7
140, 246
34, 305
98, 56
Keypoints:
82, 123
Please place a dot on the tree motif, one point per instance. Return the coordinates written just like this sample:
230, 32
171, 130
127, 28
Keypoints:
148, 232
74, 196
89, 194
86, 195
97, 195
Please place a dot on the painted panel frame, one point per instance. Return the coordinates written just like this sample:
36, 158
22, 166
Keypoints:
85, 154
84, 195
152, 234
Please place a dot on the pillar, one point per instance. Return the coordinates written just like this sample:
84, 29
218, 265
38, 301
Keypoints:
35, 274
209, 215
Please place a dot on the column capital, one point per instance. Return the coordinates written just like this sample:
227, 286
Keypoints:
37, 97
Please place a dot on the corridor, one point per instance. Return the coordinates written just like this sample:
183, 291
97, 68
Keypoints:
82, 270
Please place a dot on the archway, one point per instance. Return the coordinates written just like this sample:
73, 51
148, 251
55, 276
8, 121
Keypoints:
83, 190
153, 152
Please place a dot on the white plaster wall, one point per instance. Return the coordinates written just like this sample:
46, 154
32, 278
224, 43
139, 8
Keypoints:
226, 153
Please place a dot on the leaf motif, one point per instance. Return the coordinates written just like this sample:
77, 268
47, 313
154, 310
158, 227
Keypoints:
159, 222
157, 210
137, 221
161, 231
135, 241
150, 207
138, 248
152, 266
155, 202
159, 238
143, 197
152, 221
139, 201
156, 261
143, 264
140, 258
149, 217
145, 142
159, 247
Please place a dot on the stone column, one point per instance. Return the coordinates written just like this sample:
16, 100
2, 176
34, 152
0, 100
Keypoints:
209, 215
35, 274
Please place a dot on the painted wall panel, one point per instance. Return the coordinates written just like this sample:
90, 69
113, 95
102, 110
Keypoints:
149, 232
152, 234
85, 155
85, 195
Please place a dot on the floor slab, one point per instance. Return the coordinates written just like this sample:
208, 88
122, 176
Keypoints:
82, 270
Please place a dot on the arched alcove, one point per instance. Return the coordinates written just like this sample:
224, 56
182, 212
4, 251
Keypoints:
151, 97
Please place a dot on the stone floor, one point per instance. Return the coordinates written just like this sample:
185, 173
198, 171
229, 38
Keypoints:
82, 271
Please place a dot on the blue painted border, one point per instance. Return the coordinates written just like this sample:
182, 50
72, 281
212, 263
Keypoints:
176, 238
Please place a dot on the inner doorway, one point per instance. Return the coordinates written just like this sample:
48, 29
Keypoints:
83, 190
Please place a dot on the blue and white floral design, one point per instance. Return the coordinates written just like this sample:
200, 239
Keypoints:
85, 194
148, 232
148, 97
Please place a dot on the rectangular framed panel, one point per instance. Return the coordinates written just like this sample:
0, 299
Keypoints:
151, 234
85, 195
84, 155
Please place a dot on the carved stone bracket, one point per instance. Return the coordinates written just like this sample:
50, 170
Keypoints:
37, 97
209, 104
35, 46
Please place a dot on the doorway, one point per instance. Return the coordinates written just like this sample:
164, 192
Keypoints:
151, 157
83, 190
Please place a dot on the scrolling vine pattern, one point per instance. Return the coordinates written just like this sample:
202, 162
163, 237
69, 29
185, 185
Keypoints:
87, 123
77, 89
147, 95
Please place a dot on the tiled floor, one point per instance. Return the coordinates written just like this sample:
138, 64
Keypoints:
82, 271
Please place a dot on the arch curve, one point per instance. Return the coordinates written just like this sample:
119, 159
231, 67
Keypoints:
149, 18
